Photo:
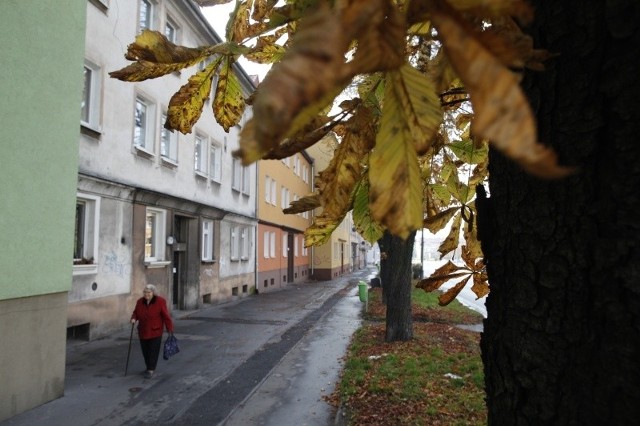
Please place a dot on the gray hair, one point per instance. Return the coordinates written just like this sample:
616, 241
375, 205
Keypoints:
152, 288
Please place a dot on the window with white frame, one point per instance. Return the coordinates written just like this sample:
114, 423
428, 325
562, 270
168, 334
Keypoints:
87, 222
245, 242
143, 130
168, 142
274, 191
200, 155
234, 243
246, 180
91, 93
304, 248
207, 240
236, 177
285, 245
146, 16
295, 246
296, 165
285, 200
267, 189
272, 246
266, 244
215, 162
171, 30
154, 235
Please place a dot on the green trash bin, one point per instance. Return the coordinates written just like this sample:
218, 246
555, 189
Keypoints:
363, 291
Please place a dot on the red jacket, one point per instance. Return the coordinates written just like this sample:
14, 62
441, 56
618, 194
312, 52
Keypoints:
151, 317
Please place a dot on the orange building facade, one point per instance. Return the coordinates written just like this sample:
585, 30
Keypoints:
282, 258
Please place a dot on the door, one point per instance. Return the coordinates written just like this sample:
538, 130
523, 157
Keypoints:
179, 261
290, 257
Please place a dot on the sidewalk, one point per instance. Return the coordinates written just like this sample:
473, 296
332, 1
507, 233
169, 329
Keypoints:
214, 341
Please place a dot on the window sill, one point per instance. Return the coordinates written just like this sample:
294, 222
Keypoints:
216, 180
201, 175
85, 269
167, 162
152, 264
210, 261
143, 152
92, 131
103, 5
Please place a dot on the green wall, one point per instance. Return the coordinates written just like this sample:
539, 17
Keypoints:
42, 53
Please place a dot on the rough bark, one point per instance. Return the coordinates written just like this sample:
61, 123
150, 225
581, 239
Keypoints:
396, 282
561, 344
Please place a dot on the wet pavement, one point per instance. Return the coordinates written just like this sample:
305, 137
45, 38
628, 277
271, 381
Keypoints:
261, 360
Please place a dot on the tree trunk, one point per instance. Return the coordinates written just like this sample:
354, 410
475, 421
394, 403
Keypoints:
561, 344
396, 284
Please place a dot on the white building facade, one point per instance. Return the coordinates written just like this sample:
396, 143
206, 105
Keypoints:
154, 207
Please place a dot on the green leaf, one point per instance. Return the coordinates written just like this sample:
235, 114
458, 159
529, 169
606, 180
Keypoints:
466, 151
228, 104
186, 105
320, 231
364, 223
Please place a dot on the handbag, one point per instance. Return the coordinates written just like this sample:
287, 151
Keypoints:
170, 347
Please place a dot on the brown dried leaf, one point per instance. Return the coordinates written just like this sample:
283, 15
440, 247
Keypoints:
451, 242
440, 220
304, 204
503, 114
441, 275
480, 284
448, 296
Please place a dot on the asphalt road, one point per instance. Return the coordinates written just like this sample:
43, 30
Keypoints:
261, 360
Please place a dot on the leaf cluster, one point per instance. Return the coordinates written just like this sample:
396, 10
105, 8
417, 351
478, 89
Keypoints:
435, 82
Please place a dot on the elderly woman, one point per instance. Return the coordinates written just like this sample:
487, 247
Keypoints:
152, 314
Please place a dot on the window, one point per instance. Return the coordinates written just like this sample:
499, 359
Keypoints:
267, 189
266, 244
171, 31
245, 241
274, 189
168, 142
246, 183
215, 162
143, 129
284, 245
304, 249
272, 248
90, 106
207, 240
234, 242
200, 148
146, 15
295, 246
296, 165
284, 200
154, 235
85, 247
236, 181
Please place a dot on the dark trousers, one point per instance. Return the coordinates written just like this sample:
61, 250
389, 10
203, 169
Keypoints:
150, 351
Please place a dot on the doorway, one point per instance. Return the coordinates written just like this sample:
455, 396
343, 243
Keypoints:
180, 232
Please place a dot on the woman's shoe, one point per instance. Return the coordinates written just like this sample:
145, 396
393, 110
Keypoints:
148, 374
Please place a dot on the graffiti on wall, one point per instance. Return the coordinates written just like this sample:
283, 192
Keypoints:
113, 265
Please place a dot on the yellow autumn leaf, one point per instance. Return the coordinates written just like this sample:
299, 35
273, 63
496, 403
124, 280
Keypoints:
470, 234
395, 182
310, 70
321, 229
448, 296
419, 104
156, 56
185, 106
266, 54
502, 113
450, 243
228, 103
337, 181
440, 220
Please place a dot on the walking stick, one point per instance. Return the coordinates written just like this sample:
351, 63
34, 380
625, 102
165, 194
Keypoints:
126, 367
